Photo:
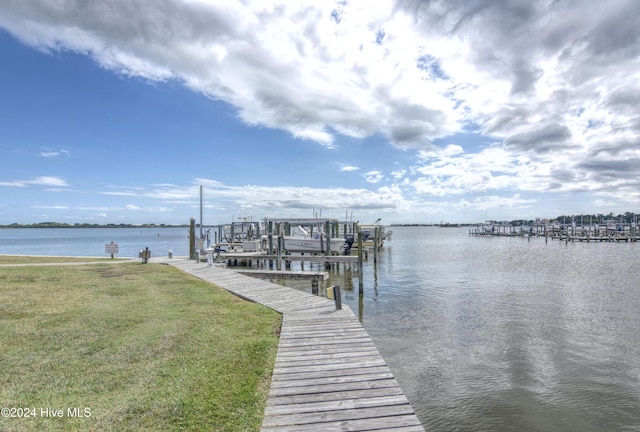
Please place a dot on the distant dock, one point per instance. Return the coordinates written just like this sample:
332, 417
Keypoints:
620, 232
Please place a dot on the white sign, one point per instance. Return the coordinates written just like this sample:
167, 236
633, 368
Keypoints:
111, 248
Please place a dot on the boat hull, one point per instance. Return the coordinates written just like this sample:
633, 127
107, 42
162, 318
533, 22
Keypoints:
310, 245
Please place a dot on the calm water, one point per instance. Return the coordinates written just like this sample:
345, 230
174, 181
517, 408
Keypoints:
483, 334
505, 334
91, 241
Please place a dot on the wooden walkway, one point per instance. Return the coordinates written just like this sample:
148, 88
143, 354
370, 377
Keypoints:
328, 374
284, 274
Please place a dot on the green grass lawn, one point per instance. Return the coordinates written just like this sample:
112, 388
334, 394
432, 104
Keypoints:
141, 347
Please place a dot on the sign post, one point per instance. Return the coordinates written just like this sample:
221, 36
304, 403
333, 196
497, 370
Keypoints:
111, 248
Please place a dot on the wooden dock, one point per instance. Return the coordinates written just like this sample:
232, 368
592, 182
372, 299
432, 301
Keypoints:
564, 236
259, 256
611, 232
328, 374
286, 274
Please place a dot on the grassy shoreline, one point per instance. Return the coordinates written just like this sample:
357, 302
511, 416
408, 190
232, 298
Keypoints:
45, 259
143, 347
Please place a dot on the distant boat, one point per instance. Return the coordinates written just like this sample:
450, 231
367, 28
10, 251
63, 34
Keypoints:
302, 241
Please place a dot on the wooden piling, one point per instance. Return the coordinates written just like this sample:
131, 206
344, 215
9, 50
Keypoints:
360, 266
192, 239
337, 296
376, 239
327, 231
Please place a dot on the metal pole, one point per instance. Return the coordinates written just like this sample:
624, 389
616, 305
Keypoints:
200, 211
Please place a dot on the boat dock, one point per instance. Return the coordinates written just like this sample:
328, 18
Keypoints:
259, 257
328, 374
566, 233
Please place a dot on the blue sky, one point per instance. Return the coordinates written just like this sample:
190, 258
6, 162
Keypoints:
117, 111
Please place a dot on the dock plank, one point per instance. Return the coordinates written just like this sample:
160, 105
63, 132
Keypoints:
292, 360
333, 405
406, 423
371, 414
319, 378
368, 383
328, 374
333, 396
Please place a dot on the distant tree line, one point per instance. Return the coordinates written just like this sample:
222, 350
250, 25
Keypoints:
87, 225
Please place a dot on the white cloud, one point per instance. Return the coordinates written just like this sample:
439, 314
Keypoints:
548, 90
260, 199
128, 208
52, 207
54, 153
48, 181
399, 174
411, 71
285, 65
15, 183
491, 202
40, 181
373, 176
118, 193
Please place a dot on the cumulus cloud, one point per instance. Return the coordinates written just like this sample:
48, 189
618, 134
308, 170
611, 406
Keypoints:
543, 139
550, 89
399, 174
286, 200
373, 176
554, 80
313, 69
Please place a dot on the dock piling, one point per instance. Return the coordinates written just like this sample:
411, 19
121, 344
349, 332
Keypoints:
333, 292
360, 267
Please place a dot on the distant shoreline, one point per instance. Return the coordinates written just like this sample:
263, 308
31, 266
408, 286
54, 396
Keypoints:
88, 225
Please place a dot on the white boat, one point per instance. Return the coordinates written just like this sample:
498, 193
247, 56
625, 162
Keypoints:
302, 241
